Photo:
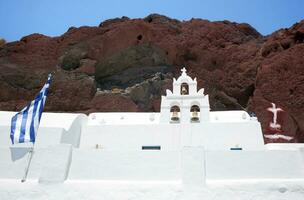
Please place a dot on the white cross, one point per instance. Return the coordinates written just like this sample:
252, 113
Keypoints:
275, 111
184, 70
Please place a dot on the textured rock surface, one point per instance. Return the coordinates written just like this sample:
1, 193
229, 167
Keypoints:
126, 64
2, 41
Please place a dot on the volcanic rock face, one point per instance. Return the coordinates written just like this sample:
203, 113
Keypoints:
126, 65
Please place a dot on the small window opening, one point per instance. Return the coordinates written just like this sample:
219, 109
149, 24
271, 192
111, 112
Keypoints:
236, 148
184, 89
151, 148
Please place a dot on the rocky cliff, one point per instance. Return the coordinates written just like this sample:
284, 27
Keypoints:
126, 64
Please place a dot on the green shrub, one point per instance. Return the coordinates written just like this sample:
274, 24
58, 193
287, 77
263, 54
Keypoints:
2, 41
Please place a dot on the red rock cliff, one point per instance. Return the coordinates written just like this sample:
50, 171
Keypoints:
125, 65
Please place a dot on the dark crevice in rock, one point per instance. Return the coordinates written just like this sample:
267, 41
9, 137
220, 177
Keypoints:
139, 37
247, 93
189, 56
221, 101
299, 37
270, 48
291, 91
299, 137
285, 46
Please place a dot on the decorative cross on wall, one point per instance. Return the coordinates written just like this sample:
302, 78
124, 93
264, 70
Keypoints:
274, 124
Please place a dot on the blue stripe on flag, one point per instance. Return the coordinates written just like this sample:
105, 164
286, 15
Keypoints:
13, 127
41, 109
32, 128
23, 124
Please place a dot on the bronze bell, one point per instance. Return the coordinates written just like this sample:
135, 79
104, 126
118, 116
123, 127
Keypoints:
184, 90
195, 116
175, 116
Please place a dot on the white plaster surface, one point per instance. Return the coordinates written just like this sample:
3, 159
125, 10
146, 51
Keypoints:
284, 146
193, 165
148, 165
119, 118
75, 190
12, 162
238, 165
213, 136
58, 164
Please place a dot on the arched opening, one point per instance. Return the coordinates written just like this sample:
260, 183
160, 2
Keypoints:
184, 89
195, 113
175, 114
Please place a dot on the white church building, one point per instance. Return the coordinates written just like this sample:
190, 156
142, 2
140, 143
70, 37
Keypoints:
184, 143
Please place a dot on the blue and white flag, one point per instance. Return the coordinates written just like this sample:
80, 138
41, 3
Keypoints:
24, 124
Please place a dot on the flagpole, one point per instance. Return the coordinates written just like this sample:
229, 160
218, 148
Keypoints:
29, 160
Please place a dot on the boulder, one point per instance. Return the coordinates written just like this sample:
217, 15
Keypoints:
71, 58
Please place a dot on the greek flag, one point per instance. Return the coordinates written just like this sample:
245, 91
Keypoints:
24, 124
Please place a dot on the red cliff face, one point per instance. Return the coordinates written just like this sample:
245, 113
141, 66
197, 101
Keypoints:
126, 65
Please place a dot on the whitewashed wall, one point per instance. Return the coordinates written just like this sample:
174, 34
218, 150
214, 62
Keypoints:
254, 165
148, 165
213, 136
49, 164
191, 165
130, 137
185, 166
12, 162
223, 136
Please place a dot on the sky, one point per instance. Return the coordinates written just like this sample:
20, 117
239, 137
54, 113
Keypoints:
19, 18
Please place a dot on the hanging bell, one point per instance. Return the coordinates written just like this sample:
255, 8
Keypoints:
195, 116
175, 116
184, 90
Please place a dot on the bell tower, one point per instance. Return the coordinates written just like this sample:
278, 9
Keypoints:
185, 104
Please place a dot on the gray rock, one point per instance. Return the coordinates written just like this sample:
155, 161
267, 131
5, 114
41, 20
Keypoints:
71, 59
131, 65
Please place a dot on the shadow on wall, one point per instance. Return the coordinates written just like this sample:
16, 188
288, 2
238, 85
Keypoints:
18, 153
73, 134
